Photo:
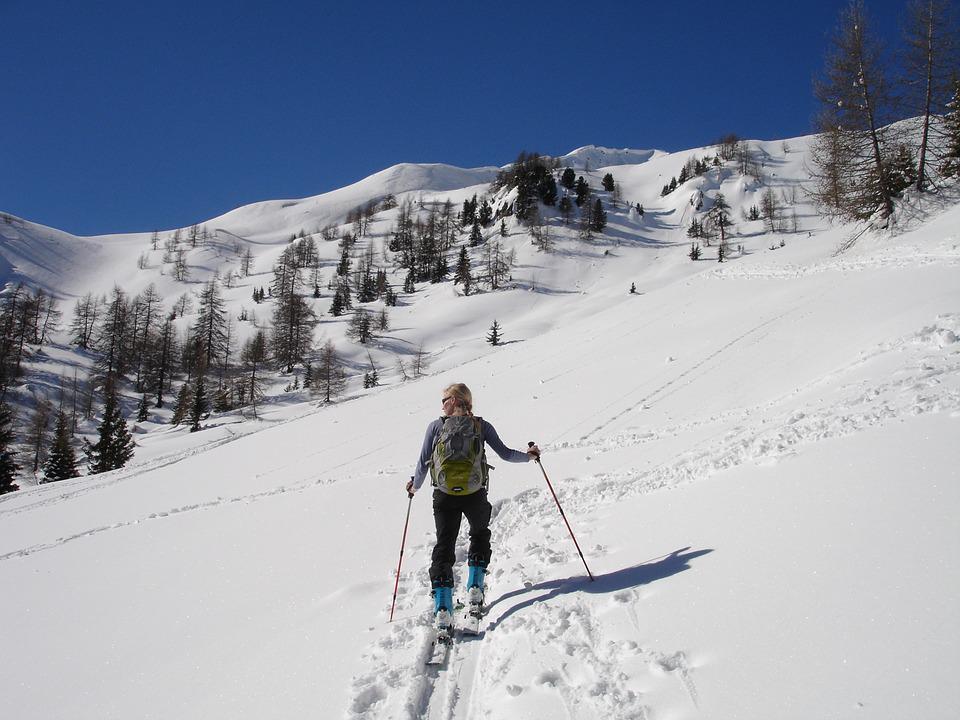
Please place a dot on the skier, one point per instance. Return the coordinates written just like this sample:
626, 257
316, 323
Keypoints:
453, 452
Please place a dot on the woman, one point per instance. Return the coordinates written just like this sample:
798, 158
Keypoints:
453, 452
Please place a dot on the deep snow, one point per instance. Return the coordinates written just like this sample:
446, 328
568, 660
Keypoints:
759, 460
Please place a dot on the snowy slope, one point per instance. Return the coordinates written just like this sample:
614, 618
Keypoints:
758, 459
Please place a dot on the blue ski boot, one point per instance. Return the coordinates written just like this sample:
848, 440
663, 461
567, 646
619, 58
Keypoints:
443, 608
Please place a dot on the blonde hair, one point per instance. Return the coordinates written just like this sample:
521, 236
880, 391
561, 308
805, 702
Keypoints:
462, 394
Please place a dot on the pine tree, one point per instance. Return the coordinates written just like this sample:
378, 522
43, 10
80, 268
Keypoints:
950, 166
581, 191
143, 409
608, 182
409, 283
694, 251
476, 238
8, 465
568, 179
462, 274
200, 405
182, 406
598, 218
62, 460
361, 326
566, 209
494, 336
114, 446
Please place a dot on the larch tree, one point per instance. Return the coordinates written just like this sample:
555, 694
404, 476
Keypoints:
851, 180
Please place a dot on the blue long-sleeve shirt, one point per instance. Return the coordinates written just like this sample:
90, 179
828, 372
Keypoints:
490, 437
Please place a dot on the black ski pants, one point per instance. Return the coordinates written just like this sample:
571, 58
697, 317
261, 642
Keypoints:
447, 513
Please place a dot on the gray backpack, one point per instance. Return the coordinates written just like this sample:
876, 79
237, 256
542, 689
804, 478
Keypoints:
458, 465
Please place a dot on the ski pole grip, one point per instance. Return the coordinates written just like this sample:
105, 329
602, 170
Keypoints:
530, 445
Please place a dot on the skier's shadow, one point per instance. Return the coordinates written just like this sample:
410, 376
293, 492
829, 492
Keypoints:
643, 574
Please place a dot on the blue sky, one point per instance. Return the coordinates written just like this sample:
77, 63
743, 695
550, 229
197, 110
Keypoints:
126, 116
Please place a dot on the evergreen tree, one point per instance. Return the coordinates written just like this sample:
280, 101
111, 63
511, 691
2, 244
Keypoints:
950, 166
200, 405
372, 378
581, 191
8, 465
476, 238
485, 213
566, 209
114, 446
608, 182
494, 336
462, 274
182, 405
441, 269
548, 191
409, 283
468, 215
694, 251
62, 460
598, 218
338, 306
568, 179
361, 326
143, 409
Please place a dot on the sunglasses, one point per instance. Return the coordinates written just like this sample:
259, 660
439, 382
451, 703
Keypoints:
444, 401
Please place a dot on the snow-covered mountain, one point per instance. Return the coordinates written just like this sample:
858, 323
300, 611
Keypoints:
758, 459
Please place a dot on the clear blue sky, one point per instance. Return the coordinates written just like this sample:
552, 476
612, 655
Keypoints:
134, 116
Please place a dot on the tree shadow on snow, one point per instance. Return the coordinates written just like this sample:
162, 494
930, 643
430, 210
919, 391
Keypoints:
643, 574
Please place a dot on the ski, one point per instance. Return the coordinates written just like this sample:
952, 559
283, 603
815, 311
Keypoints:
440, 648
442, 639
470, 624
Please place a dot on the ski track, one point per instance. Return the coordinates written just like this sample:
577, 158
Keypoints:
660, 392
545, 638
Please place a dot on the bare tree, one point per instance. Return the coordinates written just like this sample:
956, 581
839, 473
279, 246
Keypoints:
855, 103
929, 62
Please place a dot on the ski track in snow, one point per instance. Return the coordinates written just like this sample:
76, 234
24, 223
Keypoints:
552, 639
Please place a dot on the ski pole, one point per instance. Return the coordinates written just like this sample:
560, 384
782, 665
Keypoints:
402, 543
562, 514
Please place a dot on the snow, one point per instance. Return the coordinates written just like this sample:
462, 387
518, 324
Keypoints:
758, 459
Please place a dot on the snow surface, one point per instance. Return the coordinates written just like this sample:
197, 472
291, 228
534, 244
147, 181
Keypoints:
759, 460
